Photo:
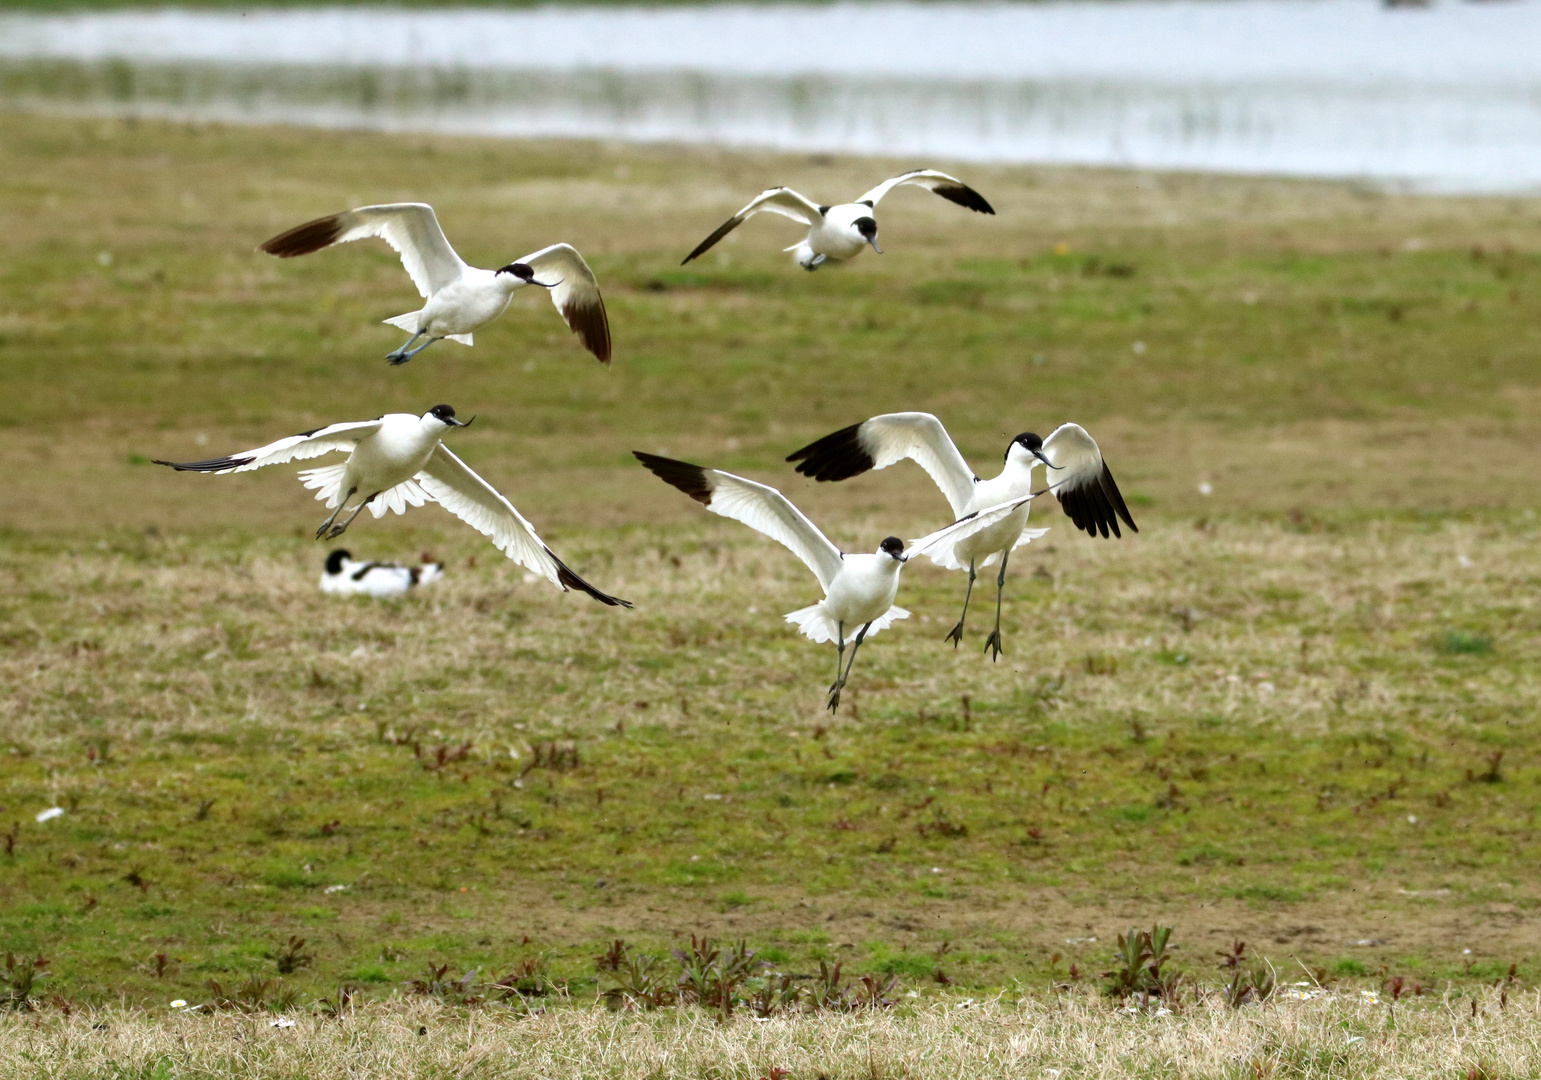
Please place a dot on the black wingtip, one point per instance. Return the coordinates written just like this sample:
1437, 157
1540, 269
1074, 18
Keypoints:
570, 580
837, 456
592, 325
1096, 505
965, 196
691, 479
706, 245
213, 465
303, 239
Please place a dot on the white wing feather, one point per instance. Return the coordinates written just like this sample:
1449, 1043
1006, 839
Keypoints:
949, 187
962, 529
309, 444
575, 293
766, 510
412, 229
455, 487
885, 440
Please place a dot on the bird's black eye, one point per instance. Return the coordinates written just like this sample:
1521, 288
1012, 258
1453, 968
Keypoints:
866, 226
892, 545
442, 412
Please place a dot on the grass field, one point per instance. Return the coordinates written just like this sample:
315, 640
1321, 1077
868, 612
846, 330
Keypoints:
1300, 710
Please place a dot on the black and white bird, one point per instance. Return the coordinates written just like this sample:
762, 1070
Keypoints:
839, 233
460, 298
346, 576
400, 460
859, 590
1075, 474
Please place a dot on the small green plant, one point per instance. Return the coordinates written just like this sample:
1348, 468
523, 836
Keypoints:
1244, 983
1141, 970
20, 981
255, 995
1460, 643
529, 978
292, 956
438, 983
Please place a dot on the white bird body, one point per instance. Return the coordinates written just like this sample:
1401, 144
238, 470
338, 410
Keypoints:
347, 576
461, 299
1077, 476
838, 233
859, 590
400, 460
862, 593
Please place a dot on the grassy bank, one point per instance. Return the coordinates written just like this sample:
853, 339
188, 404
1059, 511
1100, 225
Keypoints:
1340, 1036
1298, 710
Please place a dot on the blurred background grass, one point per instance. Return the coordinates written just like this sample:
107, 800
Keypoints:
1275, 713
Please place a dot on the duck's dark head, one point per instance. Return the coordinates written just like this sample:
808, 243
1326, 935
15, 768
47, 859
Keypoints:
335, 560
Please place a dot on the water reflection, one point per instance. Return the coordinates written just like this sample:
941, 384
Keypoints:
1453, 102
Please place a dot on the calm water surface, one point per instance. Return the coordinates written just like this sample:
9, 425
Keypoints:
1445, 97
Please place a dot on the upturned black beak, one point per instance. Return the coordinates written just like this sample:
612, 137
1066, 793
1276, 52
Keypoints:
525, 273
873, 240
1039, 455
461, 423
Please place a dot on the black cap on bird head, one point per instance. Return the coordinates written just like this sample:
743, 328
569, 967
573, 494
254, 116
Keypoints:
445, 414
893, 546
1032, 444
868, 227
524, 272
335, 560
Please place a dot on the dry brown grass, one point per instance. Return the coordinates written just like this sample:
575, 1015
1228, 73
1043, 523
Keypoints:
1067, 1038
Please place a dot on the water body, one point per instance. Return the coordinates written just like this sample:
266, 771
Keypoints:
1445, 97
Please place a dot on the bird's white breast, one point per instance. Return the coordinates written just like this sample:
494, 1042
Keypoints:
466, 304
835, 236
864, 589
395, 452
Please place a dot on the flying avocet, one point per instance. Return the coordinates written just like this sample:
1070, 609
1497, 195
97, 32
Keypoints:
1075, 473
859, 590
346, 576
460, 298
839, 233
398, 461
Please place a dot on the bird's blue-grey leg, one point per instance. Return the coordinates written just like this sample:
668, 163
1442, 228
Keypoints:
955, 635
338, 530
814, 263
327, 524
834, 694
839, 656
401, 355
405, 345
994, 640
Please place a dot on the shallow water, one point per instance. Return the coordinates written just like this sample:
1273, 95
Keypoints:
1445, 97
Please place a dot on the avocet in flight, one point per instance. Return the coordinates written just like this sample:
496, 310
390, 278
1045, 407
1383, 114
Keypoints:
840, 233
460, 298
400, 460
859, 590
1075, 473
346, 576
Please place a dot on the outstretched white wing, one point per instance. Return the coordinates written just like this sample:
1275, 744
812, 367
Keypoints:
471, 499
783, 201
411, 228
883, 440
307, 444
575, 292
762, 508
1083, 483
948, 187
933, 543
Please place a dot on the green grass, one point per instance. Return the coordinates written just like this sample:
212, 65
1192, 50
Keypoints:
1275, 713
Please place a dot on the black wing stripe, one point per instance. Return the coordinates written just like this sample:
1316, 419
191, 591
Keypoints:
722, 230
303, 239
965, 196
592, 326
691, 479
1110, 488
837, 456
570, 580
214, 465
1105, 518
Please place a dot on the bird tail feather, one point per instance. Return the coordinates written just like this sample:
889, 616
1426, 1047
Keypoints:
326, 482
398, 498
816, 624
408, 322
462, 339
